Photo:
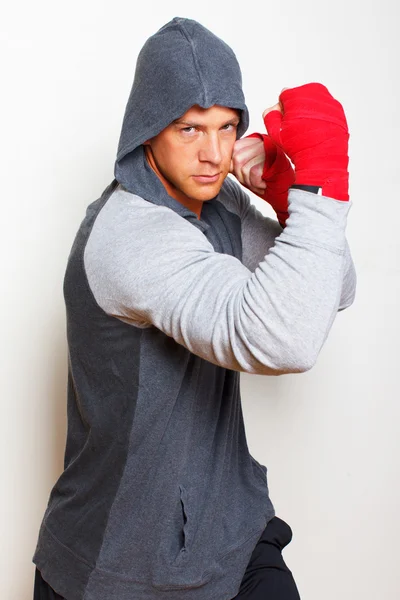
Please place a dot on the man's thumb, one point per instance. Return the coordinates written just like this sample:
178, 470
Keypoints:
273, 119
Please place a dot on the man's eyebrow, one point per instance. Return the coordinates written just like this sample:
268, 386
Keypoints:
233, 121
187, 123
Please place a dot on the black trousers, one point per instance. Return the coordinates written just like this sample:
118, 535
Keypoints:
42, 590
266, 577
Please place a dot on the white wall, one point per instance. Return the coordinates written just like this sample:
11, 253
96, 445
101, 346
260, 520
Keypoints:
329, 437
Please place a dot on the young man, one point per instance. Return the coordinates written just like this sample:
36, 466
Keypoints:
174, 285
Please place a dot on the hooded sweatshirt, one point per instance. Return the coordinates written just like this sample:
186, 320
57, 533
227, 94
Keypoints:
160, 497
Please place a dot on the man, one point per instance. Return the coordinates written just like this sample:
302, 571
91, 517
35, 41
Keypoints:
174, 285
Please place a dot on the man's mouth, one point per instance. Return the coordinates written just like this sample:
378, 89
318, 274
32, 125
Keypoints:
207, 178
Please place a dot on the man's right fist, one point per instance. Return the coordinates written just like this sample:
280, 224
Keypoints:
264, 169
311, 128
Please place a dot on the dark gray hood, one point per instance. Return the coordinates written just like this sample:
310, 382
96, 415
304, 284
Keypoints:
181, 65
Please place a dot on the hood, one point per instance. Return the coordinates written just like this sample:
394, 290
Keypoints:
181, 65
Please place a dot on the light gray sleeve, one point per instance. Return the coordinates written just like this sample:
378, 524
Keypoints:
149, 266
349, 281
259, 233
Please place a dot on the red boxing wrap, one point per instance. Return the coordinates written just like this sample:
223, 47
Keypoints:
313, 132
278, 175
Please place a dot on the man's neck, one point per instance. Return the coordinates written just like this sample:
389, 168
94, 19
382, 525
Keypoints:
193, 205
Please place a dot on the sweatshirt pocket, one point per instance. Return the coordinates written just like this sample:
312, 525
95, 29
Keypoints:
187, 527
178, 564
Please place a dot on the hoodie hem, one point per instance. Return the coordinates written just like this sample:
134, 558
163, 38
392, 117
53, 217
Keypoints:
75, 579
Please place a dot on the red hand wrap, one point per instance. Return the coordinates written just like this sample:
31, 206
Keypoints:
278, 175
313, 132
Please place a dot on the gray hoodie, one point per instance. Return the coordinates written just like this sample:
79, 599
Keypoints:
160, 497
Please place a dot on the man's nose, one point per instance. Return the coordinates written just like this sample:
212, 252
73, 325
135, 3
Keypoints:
210, 150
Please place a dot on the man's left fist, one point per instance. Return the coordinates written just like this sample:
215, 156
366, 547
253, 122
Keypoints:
265, 170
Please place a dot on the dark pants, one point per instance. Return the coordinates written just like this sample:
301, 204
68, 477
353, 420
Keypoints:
266, 577
42, 590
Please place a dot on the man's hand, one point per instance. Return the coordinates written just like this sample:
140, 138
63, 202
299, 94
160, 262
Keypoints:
248, 163
311, 128
263, 168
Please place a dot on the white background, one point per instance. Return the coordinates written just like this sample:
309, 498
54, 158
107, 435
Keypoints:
330, 437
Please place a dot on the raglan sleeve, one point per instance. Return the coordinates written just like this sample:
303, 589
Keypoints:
148, 266
259, 233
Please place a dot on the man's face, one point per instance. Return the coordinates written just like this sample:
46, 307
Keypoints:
194, 152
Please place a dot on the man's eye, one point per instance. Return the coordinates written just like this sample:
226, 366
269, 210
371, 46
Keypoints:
188, 129
229, 127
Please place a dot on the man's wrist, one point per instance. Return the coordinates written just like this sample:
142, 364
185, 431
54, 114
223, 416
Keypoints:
307, 188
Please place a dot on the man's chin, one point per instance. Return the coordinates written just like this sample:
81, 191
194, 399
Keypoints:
205, 197
206, 191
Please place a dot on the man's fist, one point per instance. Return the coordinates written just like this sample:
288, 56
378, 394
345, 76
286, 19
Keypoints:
248, 163
311, 128
264, 169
